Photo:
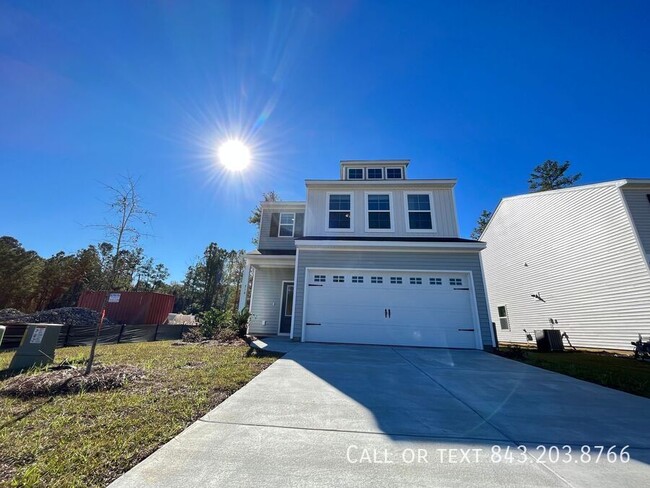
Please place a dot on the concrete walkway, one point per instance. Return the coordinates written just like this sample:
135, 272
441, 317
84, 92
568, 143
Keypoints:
331, 415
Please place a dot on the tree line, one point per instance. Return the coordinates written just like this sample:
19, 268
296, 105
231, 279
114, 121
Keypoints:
30, 282
550, 175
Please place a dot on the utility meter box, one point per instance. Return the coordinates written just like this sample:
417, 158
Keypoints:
37, 346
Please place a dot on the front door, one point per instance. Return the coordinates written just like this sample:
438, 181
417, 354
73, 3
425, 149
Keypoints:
287, 307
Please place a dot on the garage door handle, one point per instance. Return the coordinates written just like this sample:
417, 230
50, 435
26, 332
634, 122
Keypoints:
385, 313
466, 289
466, 330
312, 323
389, 313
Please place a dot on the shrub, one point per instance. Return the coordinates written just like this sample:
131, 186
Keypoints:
240, 321
213, 320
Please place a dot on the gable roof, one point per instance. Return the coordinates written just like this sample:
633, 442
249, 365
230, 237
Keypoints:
625, 182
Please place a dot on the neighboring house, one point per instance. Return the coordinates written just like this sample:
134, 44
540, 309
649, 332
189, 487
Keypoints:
584, 251
370, 258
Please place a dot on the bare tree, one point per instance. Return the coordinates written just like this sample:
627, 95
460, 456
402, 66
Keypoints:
122, 230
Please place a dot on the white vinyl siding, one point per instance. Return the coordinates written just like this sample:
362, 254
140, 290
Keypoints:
317, 217
639, 205
266, 300
577, 249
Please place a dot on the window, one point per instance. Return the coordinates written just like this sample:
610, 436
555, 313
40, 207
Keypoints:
395, 280
379, 212
319, 278
338, 279
393, 173
418, 208
455, 282
375, 173
288, 306
376, 279
503, 318
435, 281
340, 211
287, 221
415, 281
357, 279
355, 173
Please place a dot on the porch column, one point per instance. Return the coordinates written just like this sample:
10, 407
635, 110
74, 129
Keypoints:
243, 291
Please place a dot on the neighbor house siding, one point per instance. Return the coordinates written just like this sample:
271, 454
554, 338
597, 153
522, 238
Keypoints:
425, 261
265, 299
577, 249
268, 242
639, 205
316, 219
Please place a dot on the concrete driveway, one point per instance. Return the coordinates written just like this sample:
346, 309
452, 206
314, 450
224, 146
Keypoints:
332, 415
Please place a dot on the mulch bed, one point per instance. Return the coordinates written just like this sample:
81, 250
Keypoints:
70, 380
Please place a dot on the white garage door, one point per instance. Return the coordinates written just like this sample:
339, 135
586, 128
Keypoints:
390, 307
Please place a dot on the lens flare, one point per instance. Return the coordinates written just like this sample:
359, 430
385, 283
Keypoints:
234, 155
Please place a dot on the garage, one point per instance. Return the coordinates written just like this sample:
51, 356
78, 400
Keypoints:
391, 307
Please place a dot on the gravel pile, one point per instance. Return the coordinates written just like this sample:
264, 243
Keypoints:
67, 315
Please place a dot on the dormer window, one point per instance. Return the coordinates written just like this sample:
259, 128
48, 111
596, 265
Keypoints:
355, 173
393, 173
375, 173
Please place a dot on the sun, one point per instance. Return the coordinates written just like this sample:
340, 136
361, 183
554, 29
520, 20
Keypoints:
234, 155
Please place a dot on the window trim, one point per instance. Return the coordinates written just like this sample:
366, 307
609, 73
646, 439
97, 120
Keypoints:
407, 222
391, 210
327, 211
381, 169
293, 225
400, 168
507, 317
363, 173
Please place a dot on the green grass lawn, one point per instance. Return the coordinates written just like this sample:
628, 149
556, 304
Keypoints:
89, 439
620, 372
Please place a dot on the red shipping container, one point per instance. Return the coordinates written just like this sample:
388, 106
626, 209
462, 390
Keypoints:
133, 307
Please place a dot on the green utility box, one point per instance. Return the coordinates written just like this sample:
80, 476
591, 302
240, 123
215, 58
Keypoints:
37, 346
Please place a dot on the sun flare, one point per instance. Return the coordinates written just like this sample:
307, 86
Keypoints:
234, 155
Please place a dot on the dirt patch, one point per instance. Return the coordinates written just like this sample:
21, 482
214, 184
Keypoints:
213, 342
70, 380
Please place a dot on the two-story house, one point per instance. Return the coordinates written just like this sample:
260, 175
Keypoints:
370, 258
576, 259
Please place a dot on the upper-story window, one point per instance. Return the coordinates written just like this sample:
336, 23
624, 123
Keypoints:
340, 211
393, 173
419, 212
379, 212
375, 173
287, 224
355, 173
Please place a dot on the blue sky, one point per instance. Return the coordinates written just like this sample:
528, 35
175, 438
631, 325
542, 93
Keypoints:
476, 90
